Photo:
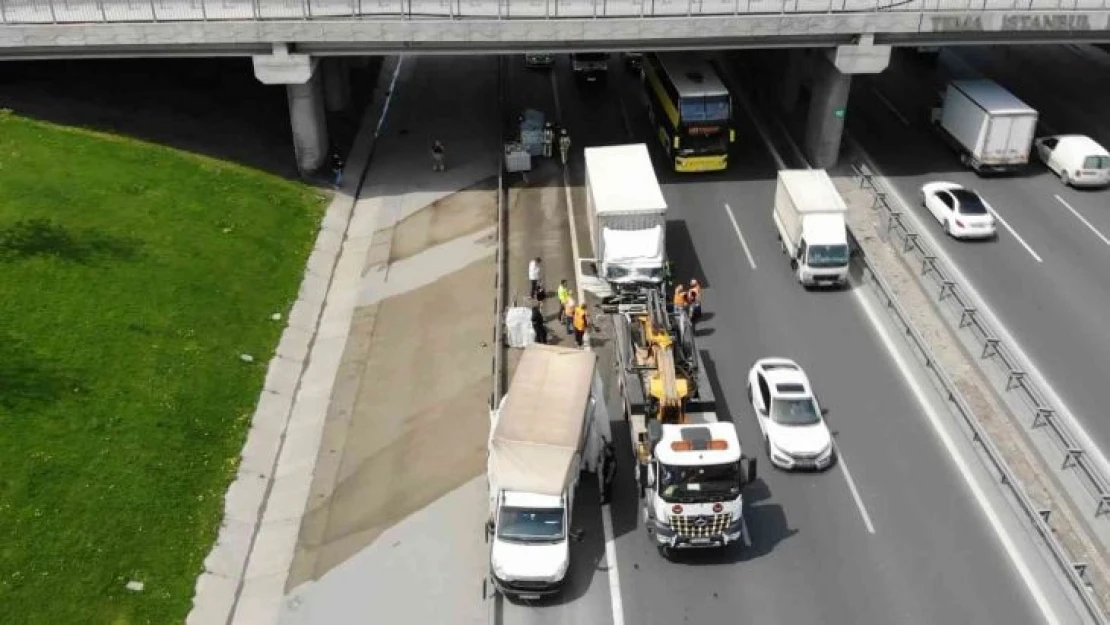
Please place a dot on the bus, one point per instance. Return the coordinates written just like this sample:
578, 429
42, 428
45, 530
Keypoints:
691, 110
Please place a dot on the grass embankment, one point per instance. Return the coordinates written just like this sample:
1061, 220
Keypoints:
131, 279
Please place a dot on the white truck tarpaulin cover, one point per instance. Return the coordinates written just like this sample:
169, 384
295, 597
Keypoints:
632, 246
535, 441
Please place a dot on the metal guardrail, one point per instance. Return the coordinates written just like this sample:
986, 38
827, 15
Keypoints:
29, 12
1074, 571
1017, 381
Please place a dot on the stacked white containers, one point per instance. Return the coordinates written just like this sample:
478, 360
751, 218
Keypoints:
627, 214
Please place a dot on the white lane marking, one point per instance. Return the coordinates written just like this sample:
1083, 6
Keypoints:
1016, 235
855, 491
1062, 409
1008, 544
1083, 219
890, 105
616, 601
759, 128
625, 118
740, 235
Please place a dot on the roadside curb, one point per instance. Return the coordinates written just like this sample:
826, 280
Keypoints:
244, 573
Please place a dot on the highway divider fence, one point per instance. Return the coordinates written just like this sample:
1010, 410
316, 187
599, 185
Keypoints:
949, 294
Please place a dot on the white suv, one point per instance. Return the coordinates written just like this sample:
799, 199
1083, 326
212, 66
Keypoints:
792, 422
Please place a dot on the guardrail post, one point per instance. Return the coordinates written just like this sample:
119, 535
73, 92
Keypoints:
990, 348
203, 10
1071, 457
100, 6
1103, 506
54, 16
879, 200
947, 288
911, 240
967, 317
927, 263
1081, 571
1014, 379
1041, 417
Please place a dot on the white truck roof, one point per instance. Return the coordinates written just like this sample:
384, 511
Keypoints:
670, 450
991, 96
826, 229
534, 445
622, 180
812, 191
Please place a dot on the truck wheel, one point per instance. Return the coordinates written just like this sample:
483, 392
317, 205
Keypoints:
948, 228
964, 160
1064, 178
664, 551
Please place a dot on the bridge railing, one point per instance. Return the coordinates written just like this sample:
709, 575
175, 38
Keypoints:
103, 11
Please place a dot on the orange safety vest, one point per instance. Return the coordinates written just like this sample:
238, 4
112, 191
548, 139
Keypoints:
679, 297
580, 319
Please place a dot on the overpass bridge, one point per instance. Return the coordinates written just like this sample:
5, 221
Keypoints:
288, 39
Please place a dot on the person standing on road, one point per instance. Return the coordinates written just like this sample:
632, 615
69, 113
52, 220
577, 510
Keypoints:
538, 324
548, 139
568, 314
607, 471
581, 322
564, 145
438, 156
679, 298
563, 294
535, 277
693, 301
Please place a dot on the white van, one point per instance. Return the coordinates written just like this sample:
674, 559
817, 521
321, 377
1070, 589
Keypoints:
1077, 159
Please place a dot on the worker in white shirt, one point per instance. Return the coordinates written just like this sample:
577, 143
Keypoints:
535, 277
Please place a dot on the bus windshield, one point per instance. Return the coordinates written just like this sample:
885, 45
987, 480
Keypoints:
705, 109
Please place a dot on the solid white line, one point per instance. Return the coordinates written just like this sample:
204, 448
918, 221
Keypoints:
1083, 219
1008, 544
615, 599
1016, 235
890, 105
740, 235
1054, 398
855, 491
625, 118
759, 128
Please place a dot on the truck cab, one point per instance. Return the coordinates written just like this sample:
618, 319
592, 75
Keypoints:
694, 486
530, 543
822, 253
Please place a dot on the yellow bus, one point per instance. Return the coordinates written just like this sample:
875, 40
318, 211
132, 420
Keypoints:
691, 110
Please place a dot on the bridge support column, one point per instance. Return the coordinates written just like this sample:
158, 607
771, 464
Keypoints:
306, 102
337, 84
828, 107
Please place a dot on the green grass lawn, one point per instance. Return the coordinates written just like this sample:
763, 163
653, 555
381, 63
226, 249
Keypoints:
131, 279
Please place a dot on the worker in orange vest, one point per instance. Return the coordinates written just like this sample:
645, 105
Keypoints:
581, 322
679, 298
693, 300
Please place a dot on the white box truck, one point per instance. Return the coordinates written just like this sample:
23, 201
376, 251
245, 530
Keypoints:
810, 215
544, 433
990, 128
627, 215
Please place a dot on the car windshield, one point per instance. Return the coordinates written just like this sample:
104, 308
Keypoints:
800, 411
828, 255
705, 109
1096, 162
530, 525
970, 202
701, 483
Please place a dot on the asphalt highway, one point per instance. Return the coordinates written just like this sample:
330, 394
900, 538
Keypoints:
892, 534
1045, 278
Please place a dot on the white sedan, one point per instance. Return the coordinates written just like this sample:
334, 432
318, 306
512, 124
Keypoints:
963, 212
792, 422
